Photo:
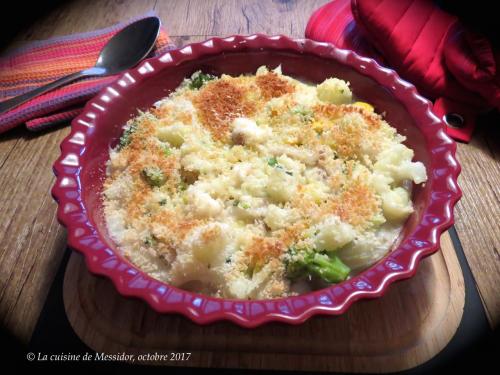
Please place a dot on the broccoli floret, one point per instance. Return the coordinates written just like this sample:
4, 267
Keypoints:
126, 136
272, 162
167, 151
198, 80
153, 176
244, 205
295, 267
150, 241
324, 266
329, 267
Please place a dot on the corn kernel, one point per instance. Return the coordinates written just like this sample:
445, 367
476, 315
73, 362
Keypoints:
318, 126
365, 106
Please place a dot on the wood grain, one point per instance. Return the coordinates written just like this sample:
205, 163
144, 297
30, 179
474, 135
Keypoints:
228, 17
181, 17
414, 321
478, 213
32, 243
83, 15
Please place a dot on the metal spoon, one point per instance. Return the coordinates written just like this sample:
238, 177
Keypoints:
124, 50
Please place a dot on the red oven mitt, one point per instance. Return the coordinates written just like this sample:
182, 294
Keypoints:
334, 23
426, 46
473, 62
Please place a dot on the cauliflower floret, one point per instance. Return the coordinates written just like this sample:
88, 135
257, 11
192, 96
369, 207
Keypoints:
281, 186
193, 162
219, 188
290, 165
315, 175
240, 172
335, 91
255, 183
246, 131
304, 155
316, 188
413, 171
368, 247
381, 183
316, 191
333, 234
196, 142
360, 172
396, 204
238, 288
305, 95
395, 162
276, 217
243, 287
201, 203
262, 70
248, 207
117, 161
208, 243
115, 221
174, 134
278, 70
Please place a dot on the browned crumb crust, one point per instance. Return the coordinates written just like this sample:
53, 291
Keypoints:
220, 102
357, 204
273, 86
262, 250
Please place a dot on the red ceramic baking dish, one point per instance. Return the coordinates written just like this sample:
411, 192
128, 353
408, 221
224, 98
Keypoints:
80, 171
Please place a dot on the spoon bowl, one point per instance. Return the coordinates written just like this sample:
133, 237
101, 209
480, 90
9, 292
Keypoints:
131, 45
123, 51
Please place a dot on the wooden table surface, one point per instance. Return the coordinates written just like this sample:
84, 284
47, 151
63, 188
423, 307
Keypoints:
32, 241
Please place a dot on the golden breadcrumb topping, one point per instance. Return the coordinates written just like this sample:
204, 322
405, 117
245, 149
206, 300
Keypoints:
273, 86
219, 103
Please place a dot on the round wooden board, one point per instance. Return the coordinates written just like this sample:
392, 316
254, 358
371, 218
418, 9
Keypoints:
413, 322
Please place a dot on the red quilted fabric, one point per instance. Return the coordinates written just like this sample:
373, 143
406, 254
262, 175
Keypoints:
473, 62
334, 23
427, 46
411, 35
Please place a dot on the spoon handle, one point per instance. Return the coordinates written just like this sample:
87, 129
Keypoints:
20, 99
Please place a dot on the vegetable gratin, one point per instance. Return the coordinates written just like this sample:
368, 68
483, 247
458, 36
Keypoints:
258, 186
